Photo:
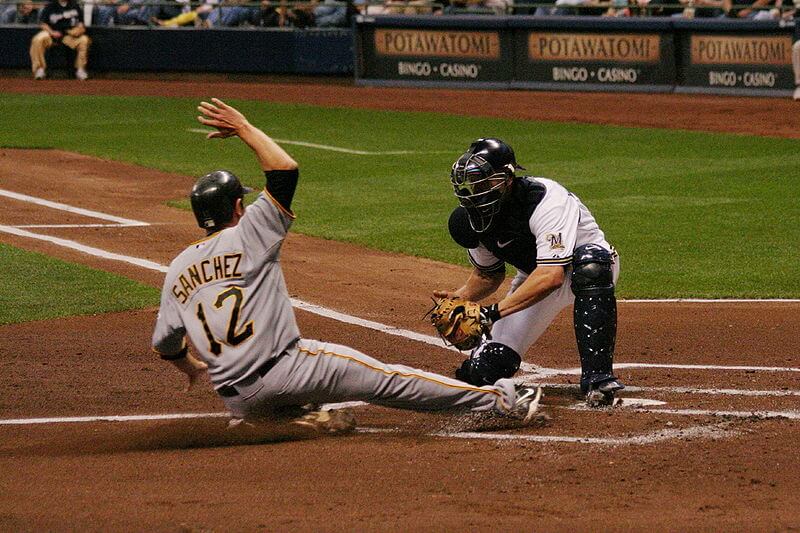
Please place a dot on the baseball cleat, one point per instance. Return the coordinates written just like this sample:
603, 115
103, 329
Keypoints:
526, 403
39, 74
604, 394
334, 422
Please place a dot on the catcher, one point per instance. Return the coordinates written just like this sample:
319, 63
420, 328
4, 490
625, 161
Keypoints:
561, 257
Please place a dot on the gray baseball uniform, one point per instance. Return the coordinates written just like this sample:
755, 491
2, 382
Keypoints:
228, 294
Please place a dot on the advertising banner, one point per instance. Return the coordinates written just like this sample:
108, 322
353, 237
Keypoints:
435, 55
737, 62
655, 54
593, 60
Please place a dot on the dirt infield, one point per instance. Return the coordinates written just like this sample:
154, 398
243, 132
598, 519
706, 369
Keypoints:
720, 453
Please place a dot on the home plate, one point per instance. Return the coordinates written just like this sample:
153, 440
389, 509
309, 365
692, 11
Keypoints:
636, 402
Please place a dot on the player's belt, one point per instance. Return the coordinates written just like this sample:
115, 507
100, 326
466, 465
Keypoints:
229, 391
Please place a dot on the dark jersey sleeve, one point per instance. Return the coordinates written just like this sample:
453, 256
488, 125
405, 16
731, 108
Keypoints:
281, 185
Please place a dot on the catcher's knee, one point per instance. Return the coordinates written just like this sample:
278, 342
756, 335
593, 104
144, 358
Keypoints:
592, 273
488, 363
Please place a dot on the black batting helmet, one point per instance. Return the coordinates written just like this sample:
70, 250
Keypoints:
213, 198
479, 180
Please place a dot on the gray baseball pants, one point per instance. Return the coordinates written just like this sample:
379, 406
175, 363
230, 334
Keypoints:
314, 372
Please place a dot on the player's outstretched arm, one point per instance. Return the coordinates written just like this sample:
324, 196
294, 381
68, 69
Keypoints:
229, 121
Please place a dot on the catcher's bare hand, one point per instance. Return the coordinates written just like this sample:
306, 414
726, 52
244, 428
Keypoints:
217, 114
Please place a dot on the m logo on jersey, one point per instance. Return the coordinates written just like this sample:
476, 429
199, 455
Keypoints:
555, 241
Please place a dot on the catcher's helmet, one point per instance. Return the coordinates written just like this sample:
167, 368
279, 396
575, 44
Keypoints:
213, 198
479, 180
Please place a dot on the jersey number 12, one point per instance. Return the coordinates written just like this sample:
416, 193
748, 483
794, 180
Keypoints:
233, 338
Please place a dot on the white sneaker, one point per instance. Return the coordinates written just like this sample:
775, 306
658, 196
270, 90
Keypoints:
81, 74
796, 95
526, 403
39, 74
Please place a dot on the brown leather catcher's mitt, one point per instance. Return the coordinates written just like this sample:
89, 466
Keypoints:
459, 322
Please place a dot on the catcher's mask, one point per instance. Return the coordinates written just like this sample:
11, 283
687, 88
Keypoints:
479, 178
213, 199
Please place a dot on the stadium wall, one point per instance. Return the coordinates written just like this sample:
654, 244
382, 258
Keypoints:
228, 50
577, 53
517, 52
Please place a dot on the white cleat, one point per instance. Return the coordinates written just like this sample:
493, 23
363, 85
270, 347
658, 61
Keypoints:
796, 94
39, 74
336, 421
526, 404
81, 74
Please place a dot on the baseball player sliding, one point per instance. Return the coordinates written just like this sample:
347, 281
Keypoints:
561, 257
227, 293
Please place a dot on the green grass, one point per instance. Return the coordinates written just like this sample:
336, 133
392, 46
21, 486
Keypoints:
693, 214
37, 287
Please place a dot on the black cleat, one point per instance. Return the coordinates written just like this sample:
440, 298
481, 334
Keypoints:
603, 395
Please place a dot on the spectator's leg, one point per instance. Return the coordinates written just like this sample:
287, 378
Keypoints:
103, 15
214, 17
39, 44
234, 15
8, 14
254, 16
81, 46
183, 19
141, 15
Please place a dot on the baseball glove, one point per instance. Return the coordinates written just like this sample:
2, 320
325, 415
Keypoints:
462, 323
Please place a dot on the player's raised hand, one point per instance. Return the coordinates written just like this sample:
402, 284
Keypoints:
226, 119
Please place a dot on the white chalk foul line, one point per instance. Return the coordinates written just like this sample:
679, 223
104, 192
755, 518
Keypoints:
716, 431
112, 418
62, 226
713, 431
339, 149
377, 326
760, 415
686, 390
533, 371
71, 209
90, 250
709, 432
709, 300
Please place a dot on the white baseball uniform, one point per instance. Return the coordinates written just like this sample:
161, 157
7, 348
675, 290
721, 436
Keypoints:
559, 224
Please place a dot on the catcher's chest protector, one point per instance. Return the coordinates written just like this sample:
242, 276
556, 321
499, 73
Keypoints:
510, 238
